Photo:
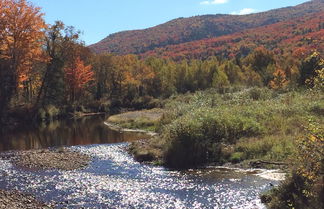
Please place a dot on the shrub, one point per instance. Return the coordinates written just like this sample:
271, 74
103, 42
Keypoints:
237, 157
196, 138
304, 187
261, 93
318, 109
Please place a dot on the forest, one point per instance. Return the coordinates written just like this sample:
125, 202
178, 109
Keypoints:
47, 73
207, 28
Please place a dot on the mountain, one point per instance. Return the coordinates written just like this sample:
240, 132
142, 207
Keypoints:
303, 33
184, 30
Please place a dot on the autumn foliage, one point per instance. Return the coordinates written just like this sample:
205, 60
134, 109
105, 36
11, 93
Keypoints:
21, 35
279, 80
209, 31
77, 76
21, 39
183, 55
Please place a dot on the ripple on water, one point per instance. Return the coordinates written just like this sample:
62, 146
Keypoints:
114, 179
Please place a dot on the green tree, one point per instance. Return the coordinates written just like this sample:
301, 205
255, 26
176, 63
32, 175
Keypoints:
103, 66
63, 47
220, 80
233, 72
167, 76
263, 62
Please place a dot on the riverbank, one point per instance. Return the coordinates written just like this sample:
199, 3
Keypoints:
256, 127
44, 159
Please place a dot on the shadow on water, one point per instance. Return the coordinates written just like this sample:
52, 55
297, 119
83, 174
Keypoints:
84, 131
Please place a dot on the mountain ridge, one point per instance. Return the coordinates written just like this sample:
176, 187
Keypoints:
305, 33
183, 30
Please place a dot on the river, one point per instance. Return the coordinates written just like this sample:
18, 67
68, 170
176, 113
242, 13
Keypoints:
114, 180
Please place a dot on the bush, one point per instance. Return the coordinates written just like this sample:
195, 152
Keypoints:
41, 115
318, 109
304, 187
261, 93
145, 102
196, 138
237, 157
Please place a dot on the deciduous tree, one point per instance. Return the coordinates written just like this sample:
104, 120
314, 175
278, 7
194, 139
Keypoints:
78, 76
279, 80
21, 34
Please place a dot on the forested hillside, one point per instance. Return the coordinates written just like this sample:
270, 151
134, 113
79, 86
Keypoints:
184, 30
299, 35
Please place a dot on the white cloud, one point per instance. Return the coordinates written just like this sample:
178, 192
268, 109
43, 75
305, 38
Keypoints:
244, 11
214, 2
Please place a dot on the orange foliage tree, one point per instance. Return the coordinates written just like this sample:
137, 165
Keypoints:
279, 80
78, 76
21, 37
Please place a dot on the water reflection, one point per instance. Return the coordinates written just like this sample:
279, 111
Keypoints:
114, 180
88, 130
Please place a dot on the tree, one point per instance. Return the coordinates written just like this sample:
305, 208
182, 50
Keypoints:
62, 47
251, 78
78, 76
262, 61
233, 72
21, 37
309, 68
279, 80
220, 80
103, 67
53, 87
319, 79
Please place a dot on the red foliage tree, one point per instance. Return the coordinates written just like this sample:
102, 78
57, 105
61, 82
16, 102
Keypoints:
78, 76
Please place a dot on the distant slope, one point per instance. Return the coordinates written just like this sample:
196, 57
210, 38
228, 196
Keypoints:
305, 32
184, 30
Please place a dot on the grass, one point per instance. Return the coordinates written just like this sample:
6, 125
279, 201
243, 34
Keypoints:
270, 148
144, 119
258, 123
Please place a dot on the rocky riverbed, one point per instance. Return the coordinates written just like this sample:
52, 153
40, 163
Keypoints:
113, 179
17, 200
56, 158
44, 159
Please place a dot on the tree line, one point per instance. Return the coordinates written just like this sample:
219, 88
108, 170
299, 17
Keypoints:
43, 65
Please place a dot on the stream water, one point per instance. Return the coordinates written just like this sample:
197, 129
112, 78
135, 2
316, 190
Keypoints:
114, 180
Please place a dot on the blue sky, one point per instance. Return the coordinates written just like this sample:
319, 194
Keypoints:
99, 18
